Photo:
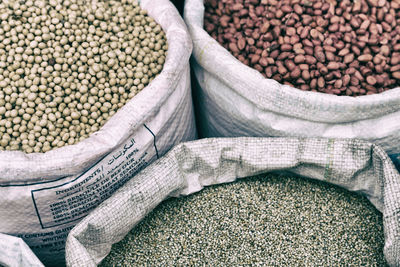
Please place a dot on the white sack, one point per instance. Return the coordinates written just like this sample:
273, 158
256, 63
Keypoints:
356, 165
236, 100
42, 196
15, 253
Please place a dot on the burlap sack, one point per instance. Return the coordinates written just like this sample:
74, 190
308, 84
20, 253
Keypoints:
355, 165
42, 196
235, 100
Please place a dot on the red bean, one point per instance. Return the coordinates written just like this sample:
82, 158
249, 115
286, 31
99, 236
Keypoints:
352, 48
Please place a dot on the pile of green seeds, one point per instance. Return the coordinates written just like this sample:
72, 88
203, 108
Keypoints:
264, 221
66, 66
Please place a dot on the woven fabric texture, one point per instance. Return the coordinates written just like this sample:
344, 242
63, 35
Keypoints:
235, 100
356, 165
43, 195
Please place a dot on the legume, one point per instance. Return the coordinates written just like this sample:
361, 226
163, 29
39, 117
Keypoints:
66, 66
335, 47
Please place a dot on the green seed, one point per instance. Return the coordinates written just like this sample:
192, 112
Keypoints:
262, 221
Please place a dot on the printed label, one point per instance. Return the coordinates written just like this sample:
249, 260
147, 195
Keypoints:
73, 200
52, 240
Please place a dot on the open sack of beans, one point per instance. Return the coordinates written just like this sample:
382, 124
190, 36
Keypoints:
90, 93
263, 220
298, 68
15, 252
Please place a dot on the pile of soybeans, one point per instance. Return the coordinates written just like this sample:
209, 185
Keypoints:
66, 66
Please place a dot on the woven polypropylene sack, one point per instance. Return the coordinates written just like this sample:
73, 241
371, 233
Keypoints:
236, 100
43, 195
15, 253
356, 165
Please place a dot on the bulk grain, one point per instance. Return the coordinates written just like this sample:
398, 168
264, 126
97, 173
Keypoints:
67, 66
90, 84
266, 220
344, 56
190, 167
343, 48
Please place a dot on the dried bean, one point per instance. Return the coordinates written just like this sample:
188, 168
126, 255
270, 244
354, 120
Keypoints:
333, 65
348, 58
263, 62
396, 75
344, 52
299, 59
241, 44
310, 60
346, 80
365, 58
313, 45
286, 47
321, 82
295, 73
233, 47
371, 80
305, 74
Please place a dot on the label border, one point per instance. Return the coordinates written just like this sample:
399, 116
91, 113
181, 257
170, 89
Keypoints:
52, 187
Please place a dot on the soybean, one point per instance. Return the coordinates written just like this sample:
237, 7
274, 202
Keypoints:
66, 66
